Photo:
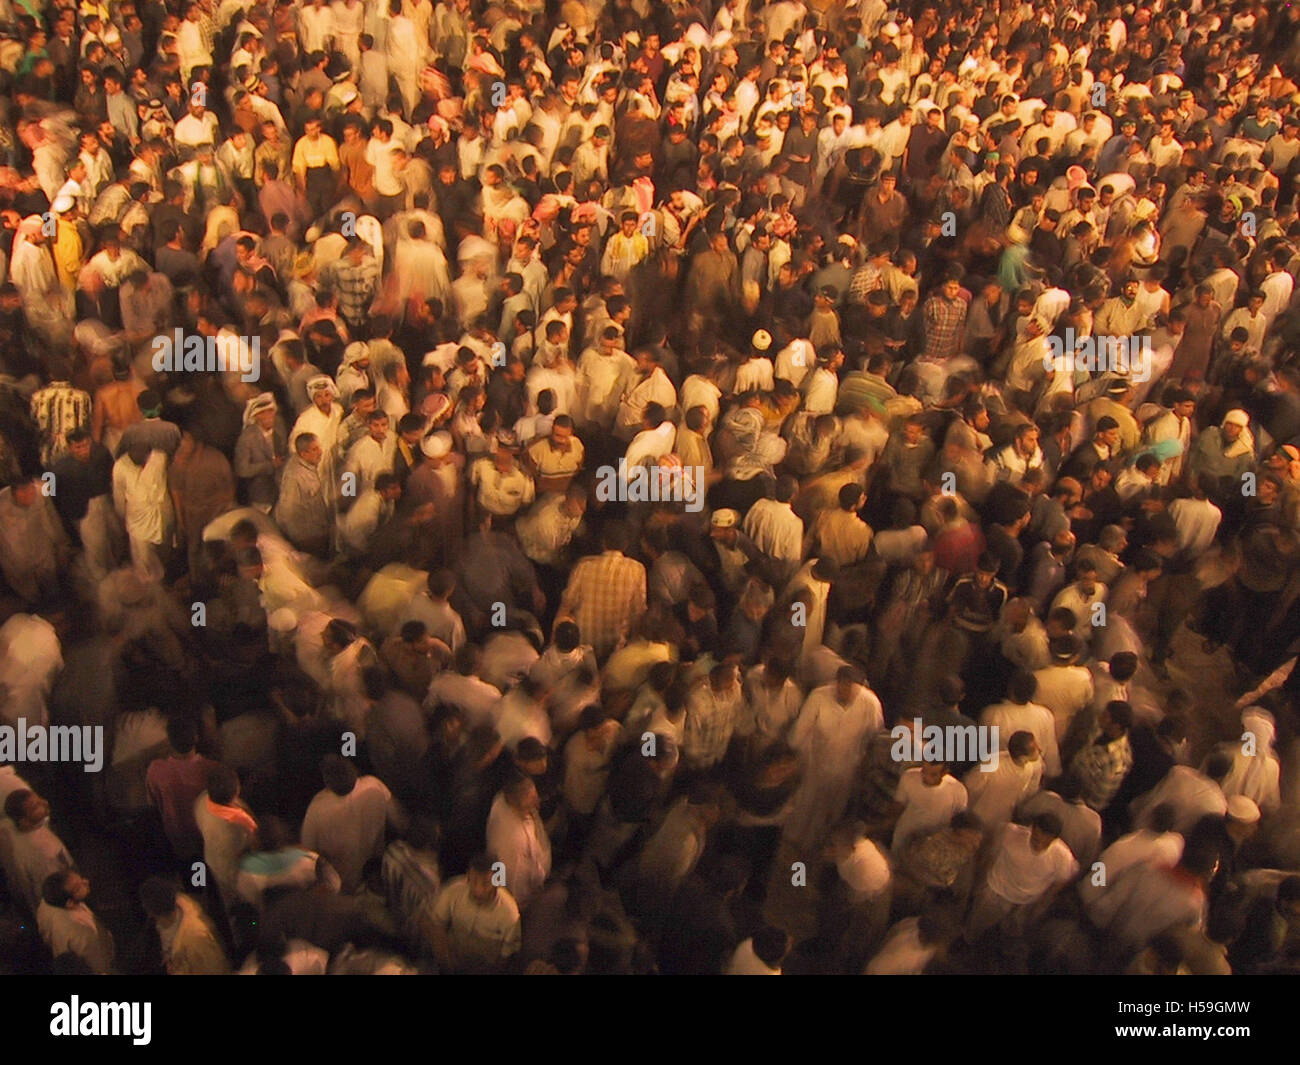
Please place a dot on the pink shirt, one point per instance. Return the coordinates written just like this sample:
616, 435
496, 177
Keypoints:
174, 783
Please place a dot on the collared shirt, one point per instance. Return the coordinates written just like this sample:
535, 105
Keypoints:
480, 937
1022, 875
945, 320
711, 719
841, 536
775, 529
552, 462
606, 596
546, 530
1101, 768
355, 285
500, 493
58, 409
522, 844
311, 155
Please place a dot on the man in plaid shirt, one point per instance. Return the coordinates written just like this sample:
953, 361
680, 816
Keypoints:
606, 594
355, 278
712, 710
944, 318
1104, 763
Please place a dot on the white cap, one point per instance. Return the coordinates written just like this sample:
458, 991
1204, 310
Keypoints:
436, 445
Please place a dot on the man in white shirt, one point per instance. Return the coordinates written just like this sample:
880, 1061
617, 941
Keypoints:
831, 734
1020, 712
461, 687
910, 946
1196, 519
345, 821
603, 373
379, 154
69, 926
1157, 845
1031, 865
1064, 687
1192, 794
370, 456
856, 911
775, 528
994, 795
142, 501
1277, 285
517, 836
431, 607
368, 513
30, 849
199, 126
474, 926
926, 798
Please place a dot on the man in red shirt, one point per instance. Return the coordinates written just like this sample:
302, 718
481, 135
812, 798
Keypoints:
175, 782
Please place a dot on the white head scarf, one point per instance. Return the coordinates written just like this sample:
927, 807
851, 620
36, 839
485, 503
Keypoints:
255, 406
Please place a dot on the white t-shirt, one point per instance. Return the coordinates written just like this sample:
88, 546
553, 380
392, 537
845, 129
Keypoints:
348, 829
379, 154
865, 871
1021, 874
926, 807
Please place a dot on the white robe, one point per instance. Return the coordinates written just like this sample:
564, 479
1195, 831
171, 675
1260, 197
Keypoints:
831, 738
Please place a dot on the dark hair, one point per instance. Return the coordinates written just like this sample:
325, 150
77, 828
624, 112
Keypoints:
223, 785
771, 945
15, 802
1121, 713
340, 775
567, 636
1019, 743
1048, 823
54, 890
1023, 686
158, 896
182, 733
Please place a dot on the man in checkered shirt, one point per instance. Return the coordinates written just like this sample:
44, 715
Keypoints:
606, 594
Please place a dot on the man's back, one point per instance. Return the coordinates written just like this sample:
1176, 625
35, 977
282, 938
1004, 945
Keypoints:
348, 829
174, 783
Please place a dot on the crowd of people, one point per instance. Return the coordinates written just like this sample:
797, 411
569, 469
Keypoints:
519, 485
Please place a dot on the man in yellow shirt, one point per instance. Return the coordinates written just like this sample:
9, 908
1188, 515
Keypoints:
316, 167
69, 253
